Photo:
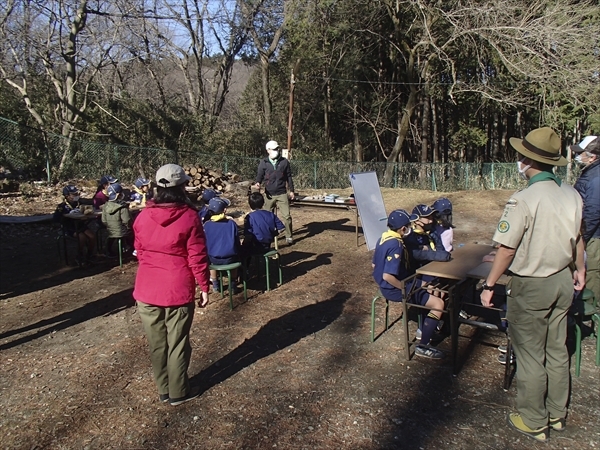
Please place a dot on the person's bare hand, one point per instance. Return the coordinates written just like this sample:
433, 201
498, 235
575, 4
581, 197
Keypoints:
292, 196
486, 298
203, 300
579, 280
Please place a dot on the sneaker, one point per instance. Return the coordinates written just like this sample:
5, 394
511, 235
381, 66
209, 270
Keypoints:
216, 286
234, 289
163, 398
463, 315
134, 253
558, 424
429, 352
195, 392
502, 358
502, 348
289, 241
440, 325
539, 434
419, 334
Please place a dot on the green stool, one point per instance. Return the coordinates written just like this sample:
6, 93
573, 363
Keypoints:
378, 296
220, 268
587, 308
274, 255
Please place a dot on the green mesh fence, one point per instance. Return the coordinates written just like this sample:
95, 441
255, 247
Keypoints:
44, 155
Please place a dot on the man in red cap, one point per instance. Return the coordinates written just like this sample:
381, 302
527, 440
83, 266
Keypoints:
539, 237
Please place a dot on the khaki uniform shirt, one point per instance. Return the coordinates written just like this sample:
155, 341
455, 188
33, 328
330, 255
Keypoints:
542, 223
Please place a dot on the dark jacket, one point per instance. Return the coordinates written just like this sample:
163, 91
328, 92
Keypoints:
425, 247
588, 186
262, 225
222, 239
275, 177
70, 226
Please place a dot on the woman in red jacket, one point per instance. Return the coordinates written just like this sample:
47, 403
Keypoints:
171, 249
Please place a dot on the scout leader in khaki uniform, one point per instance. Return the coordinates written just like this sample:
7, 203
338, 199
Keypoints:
539, 237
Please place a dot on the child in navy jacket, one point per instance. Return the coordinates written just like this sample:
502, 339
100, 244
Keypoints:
260, 227
222, 240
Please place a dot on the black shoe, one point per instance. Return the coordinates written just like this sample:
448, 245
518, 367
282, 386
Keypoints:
194, 392
163, 398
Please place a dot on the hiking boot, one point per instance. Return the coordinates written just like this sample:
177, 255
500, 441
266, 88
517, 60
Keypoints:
558, 424
216, 286
195, 392
539, 434
163, 398
429, 352
502, 358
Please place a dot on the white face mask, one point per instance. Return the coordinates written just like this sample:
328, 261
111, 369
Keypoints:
522, 169
273, 154
579, 159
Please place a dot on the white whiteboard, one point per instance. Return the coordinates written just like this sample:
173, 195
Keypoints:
369, 202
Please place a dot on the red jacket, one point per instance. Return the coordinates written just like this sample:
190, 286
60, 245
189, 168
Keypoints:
171, 250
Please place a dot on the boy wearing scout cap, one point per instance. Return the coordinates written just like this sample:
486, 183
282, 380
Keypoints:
539, 242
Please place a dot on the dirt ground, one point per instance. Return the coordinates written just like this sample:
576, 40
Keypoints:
292, 368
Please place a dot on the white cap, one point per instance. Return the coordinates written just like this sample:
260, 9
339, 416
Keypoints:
171, 175
272, 145
578, 148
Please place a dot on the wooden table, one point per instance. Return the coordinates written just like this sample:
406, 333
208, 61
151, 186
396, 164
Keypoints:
450, 277
331, 205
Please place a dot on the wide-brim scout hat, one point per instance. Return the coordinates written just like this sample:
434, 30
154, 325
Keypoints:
541, 145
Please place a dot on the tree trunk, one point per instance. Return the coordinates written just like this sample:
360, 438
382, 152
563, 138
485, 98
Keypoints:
425, 128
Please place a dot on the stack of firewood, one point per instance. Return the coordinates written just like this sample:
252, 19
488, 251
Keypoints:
203, 178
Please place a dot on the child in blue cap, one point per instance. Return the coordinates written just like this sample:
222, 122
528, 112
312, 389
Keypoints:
116, 218
443, 222
101, 195
207, 195
222, 240
141, 191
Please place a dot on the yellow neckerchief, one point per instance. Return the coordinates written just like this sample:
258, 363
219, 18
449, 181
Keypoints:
424, 233
390, 234
217, 217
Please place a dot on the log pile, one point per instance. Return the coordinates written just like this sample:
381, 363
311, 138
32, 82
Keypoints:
202, 178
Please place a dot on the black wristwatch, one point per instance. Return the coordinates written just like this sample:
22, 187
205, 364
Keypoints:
485, 287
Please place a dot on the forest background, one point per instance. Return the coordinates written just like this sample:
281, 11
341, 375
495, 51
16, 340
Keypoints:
371, 80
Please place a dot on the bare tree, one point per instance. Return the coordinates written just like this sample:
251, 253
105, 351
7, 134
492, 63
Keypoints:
53, 41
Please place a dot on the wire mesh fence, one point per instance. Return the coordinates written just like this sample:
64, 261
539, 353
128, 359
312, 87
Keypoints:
38, 154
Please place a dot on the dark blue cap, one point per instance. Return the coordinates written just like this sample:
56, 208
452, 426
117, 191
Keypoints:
70, 189
141, 181
400, 218
218, 205
442, 205
208, 194
113, 191
108, 179
423, 210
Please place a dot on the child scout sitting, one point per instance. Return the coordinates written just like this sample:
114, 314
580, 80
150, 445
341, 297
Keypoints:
207, 195
222, 240
101, 195
141, 192
391, 261
79, 229
443, 222
260, 227
116, 218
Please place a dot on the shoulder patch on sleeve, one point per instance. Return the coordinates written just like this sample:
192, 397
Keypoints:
511, 203
503, 226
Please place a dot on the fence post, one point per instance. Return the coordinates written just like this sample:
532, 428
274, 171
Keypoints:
117, 165
493, 180
433, 183
226, 166
467, 176
315, 174
395, 175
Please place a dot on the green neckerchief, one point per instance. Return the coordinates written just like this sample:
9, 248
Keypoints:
273, 161
390, 234
425, 233
544, 176
217, 217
